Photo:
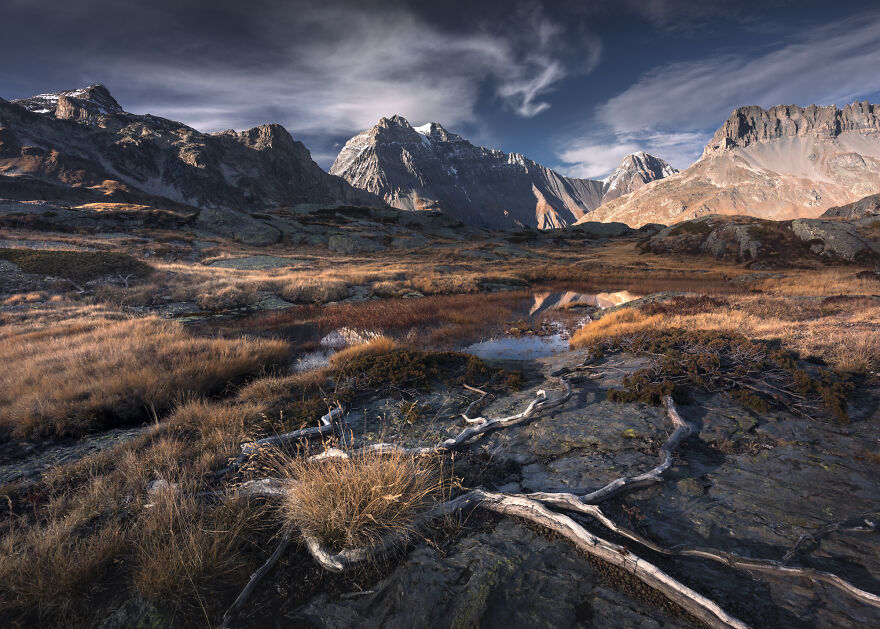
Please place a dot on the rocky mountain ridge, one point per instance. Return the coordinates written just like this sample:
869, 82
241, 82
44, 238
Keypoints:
427, 167
783, 163
80, 145
753, 124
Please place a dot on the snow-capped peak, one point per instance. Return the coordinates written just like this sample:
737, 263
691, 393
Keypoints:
96, 97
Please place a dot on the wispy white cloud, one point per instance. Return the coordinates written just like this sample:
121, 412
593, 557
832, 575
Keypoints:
673, 109
588, 160
364, 65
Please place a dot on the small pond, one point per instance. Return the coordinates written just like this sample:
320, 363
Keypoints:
519, 348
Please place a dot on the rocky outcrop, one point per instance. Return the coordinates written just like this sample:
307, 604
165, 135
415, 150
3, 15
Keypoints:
783, 163
753, 124
427, 167
81, 146
867, 208
748, 239
836, 239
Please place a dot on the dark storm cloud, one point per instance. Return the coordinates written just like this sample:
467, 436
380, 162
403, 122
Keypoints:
315, 66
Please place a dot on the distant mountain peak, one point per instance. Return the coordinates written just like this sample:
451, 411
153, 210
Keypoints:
635, 170
113, 155
780, 163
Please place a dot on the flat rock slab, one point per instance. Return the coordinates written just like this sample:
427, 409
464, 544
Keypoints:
258, 262
743, 483
24, 462
505, 578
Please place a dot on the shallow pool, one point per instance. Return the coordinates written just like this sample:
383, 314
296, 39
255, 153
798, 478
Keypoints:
521, 348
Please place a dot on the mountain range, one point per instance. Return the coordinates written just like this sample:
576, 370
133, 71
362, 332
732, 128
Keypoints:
427, 167
81, 147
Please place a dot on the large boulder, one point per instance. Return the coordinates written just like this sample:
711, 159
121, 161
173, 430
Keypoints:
835, 238
237, 225
866, 208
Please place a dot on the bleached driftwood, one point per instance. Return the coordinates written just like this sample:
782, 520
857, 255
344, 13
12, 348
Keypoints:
325, 427
478, 426
749, 564
694, 603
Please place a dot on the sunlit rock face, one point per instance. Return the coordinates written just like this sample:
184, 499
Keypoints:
427, 167
782, 163
555, 301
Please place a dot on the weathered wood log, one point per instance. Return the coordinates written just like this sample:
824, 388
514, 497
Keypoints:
325, 427
479, 426
694, 603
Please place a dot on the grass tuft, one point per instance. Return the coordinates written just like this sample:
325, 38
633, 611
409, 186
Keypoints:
354, 502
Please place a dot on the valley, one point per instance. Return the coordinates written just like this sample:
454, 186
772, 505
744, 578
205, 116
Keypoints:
441, 385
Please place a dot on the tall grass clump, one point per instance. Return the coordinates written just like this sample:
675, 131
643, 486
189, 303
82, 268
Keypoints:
355, 502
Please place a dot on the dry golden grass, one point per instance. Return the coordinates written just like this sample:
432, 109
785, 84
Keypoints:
354, 502
378, 345
819, 282
618, 323
846, 334
56, 572
70, 378
182, 551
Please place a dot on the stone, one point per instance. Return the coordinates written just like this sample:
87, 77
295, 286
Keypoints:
835, 238
343, 243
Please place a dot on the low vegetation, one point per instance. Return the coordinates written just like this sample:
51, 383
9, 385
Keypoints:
759, 374
86, 536
72, 378
78, 266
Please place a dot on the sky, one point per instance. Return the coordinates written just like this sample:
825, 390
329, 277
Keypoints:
574, 85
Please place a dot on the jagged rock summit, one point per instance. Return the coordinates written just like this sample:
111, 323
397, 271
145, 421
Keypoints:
635, 171
782, 163
80, 146
427, 167
94, 100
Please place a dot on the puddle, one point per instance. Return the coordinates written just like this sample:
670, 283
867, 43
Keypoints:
531, 347
521, 348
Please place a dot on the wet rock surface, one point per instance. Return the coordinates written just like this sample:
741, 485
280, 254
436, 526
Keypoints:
510, 576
